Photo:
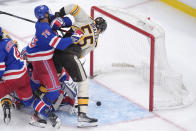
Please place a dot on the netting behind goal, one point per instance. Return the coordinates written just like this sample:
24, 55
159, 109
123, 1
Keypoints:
136, 43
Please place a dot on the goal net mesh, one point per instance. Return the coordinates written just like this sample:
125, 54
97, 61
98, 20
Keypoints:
124, 48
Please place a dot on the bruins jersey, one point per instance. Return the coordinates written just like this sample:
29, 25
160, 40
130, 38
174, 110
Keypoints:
87, 25
90, 39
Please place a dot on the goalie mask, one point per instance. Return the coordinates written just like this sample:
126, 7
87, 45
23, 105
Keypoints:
100, 24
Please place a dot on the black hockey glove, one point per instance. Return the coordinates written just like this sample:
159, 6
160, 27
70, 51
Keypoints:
57, 14
61, 13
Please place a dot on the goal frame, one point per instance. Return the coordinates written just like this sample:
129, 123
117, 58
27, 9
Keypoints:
152, 50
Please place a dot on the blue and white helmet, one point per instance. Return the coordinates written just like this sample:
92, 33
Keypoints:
40, 11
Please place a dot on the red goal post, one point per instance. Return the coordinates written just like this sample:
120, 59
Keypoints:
152, 38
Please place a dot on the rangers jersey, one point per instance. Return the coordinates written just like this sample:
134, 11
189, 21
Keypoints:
45, 40
12, 66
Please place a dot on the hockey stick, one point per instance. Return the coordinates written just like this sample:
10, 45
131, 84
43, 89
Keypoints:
58, 102
22, 18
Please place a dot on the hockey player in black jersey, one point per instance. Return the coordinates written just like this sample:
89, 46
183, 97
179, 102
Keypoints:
69, 59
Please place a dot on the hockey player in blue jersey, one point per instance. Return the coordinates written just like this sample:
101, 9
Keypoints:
39, 53
13, 76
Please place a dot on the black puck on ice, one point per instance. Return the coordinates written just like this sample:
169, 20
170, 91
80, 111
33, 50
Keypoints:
98, 103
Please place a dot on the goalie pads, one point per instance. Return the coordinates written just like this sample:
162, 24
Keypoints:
69, 87
68, 91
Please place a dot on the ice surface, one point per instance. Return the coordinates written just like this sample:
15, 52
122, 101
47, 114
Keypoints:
180, 30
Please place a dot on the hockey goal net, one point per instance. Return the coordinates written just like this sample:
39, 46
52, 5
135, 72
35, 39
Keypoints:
139, 44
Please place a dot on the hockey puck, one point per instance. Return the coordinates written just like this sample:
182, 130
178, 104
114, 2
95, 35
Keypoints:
98, 103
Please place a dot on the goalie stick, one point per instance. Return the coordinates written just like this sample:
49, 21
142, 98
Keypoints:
58, 102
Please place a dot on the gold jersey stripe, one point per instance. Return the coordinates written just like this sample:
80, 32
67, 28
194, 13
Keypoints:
82, 101
75, 10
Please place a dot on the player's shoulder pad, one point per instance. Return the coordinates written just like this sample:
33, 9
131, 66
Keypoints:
42, 26
52, 17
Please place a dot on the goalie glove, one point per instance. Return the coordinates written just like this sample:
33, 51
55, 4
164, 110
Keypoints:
77, 36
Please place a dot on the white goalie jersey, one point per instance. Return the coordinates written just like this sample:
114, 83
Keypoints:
85, 23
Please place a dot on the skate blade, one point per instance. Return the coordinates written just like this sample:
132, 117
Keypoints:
7, 120
86, 125
58, 124
37, 124
7, 116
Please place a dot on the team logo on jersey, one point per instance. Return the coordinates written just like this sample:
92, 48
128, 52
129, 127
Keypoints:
17, 54
9, 46
33, 42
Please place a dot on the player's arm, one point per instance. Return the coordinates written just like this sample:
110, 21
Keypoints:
77, 12
57, 42
60, 22
2, 64
63, 21
4, 49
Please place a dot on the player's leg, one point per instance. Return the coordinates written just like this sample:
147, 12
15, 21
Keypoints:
74, 67
68, 94
25, 96
6, 104
22, 89
5, 89
45, 73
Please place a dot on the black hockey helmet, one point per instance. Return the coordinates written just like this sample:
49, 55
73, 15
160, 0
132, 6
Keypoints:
100, 24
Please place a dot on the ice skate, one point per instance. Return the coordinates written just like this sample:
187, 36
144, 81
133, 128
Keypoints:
55, 121
85, 121
37, 120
